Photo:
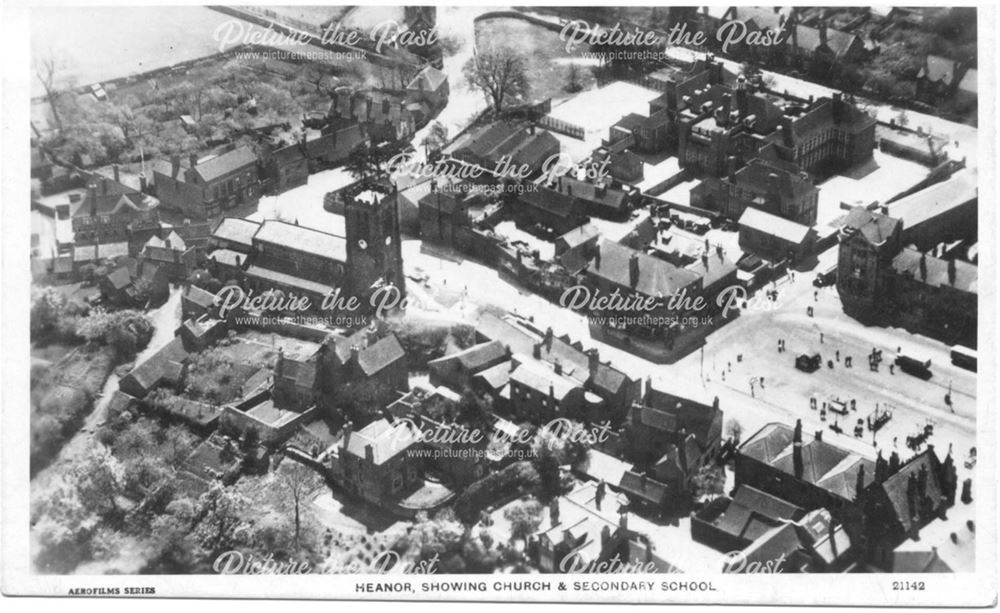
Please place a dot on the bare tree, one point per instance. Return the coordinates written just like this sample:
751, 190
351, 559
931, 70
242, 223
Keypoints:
298, 482
45, 70
500, 73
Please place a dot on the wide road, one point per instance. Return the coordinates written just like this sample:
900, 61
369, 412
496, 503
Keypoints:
786, 392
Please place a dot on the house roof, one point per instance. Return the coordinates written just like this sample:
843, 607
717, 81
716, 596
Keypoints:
223, 164
657, 278
875, 227
536, 377
120, 278
387, 439
166, 365
825, 465
199, 296
579, 235
930, 202
791, 183
286, 280
669, 413
477, 357
300, 372
428, 79
381, 354
896, 487
970, 82
492, 327
236, 230
175, 242
785, 229
644, 487
607, 197
908, 262
299, 238
495, 376
551, 201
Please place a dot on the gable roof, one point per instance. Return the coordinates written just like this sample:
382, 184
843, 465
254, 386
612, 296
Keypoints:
236, 230
657, 278
785, 229
428, 79
908, 262
383, 353
300, 238
476, 357
223, 164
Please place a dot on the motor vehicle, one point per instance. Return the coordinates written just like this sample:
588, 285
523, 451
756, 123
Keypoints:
837, 406
808, 363
963, 357
918, 367
827, 277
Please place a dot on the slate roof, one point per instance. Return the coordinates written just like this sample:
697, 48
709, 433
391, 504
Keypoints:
930, 202
166, 365
283, 279
896, 486
383, 353
656, 277
428, 79
552, 202
645, 488
615, 200
477, 357
236, 230
785, 229
825, 465
579, 235
907, 262
199, 296
223, 164
120, 278
299, 238
542, 380
875, 227
492, 327
495, 376
668, 413
386, 439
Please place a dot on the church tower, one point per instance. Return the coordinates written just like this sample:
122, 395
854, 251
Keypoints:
374, 252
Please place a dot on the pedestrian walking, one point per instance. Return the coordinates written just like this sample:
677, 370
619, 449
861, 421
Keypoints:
821, 338
892, 369
837, 355
762, 383
816, 295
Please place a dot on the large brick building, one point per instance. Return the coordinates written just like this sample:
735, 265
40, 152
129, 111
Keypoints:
204, 188
879, 279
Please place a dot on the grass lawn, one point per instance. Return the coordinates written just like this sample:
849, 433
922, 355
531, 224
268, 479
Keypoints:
546, 55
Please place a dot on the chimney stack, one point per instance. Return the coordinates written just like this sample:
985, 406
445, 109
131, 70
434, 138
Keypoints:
593, 361
633, 270
859, 488
348, 430
822, 33
797, 449
923, 267
369, 453
175, 166
117, 173
193, 159
952, 272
